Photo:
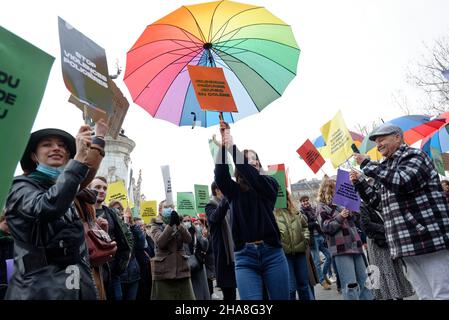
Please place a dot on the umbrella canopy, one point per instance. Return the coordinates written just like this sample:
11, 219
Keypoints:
257, 51
438, 141
406, 123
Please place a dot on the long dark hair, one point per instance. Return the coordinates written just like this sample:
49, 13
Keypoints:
244, 186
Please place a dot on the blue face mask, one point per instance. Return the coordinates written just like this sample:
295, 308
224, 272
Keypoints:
166, 214
50, 171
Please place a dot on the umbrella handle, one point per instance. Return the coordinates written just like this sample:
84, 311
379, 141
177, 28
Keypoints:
220, 116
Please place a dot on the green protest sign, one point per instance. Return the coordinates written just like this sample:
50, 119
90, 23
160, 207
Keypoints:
438, 161
281, 201
201, 197
186, 203
24, 71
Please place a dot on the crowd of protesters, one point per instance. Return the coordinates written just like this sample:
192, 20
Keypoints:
67, 243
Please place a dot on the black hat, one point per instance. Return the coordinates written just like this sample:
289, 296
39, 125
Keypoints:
28, 165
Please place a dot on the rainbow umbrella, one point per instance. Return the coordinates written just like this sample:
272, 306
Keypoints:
406, 123
257, 51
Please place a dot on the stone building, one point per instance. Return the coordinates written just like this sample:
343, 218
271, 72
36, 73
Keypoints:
306, 188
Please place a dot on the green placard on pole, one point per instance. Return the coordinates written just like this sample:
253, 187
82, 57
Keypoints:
24, 71
438, 161
186, 204
281, 201
201, 197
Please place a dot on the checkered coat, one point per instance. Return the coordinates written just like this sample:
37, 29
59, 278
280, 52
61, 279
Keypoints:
341, 233
414, 208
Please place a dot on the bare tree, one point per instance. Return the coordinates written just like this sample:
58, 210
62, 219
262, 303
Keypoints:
429, 77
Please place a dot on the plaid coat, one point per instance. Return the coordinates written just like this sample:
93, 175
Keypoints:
341, 234
410, 195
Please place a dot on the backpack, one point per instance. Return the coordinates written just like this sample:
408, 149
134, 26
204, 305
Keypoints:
125, 243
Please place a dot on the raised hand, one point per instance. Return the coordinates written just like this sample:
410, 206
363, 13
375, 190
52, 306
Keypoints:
101, 128
83, 142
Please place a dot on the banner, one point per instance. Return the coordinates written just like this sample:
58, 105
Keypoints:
336, 135
281, 201
117, 191
214, 148
345, 194
186, 204
167, 184
211, 89
148, 210
311, 156
24, 71
84, 68
201, 197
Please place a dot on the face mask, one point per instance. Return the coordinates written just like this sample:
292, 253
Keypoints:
199, 229
187, 224
166, 214
50, 171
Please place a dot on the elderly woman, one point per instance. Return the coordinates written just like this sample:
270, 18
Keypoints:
50, 256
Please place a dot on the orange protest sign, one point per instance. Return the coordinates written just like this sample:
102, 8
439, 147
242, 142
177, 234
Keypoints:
212, 89
311, 156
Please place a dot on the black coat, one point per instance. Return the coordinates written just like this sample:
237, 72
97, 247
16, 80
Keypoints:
6, 252
224, 271
372, 224
41, 217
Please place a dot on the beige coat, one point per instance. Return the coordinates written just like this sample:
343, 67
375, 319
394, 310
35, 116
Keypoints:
170, 261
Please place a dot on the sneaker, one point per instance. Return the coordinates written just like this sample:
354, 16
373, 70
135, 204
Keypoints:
325, 285
215, 296
329, 282
333, 279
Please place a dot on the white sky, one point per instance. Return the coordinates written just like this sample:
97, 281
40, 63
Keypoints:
354, 57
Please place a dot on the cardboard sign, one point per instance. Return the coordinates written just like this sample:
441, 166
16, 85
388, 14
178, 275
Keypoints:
148, 210
212, 89
336, 135
84, 68
311, 156
201, 197
167, 184
24, 71
117, 191
186, 203
345, 194
281, 201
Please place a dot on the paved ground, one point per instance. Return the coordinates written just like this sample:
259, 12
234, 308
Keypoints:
320, 293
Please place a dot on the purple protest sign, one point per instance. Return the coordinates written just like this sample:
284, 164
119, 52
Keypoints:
345, 194
9, 269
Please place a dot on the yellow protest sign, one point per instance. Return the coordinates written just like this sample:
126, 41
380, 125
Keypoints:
148, 210
117, 191
337, 137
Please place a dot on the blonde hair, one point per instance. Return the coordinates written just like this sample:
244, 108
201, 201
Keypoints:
326, 191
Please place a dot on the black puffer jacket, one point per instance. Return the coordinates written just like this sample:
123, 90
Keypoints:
372, 224
51, 261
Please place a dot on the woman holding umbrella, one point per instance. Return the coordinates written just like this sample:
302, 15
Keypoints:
259, 258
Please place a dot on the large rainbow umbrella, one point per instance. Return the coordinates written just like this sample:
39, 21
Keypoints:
257, 51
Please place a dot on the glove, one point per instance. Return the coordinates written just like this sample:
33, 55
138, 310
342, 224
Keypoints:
174, 219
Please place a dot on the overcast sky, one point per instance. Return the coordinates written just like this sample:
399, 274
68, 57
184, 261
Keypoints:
354, 56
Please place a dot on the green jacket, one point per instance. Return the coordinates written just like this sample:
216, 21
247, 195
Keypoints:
295, 234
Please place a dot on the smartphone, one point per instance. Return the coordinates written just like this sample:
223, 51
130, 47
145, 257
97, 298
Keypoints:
354, 148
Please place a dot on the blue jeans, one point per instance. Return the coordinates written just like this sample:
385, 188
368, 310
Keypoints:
319, 246
261, 264
352, 273
116, 288
299, 276
129, 290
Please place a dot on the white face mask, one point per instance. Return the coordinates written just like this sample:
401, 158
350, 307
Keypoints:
187, 224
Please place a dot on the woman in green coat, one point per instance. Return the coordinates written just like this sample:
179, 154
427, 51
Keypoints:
295, 238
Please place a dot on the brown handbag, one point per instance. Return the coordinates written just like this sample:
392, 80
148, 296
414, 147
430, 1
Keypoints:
101, 248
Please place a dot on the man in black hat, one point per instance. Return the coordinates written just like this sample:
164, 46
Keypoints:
414, 208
